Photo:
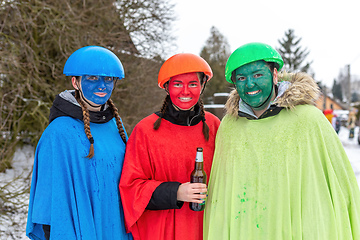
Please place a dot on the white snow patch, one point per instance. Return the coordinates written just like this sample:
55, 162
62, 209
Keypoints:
15, 183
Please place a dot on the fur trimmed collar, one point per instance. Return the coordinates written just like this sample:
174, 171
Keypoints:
302, 90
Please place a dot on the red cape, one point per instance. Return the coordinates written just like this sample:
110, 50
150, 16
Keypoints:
163, 155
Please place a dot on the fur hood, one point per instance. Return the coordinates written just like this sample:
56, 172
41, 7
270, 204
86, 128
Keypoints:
302, 90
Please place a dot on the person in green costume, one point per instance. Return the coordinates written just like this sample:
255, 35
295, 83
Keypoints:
279, 169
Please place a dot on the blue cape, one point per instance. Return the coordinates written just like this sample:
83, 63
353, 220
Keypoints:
78, 197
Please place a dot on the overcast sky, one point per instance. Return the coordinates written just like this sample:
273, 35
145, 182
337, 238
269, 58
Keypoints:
329, 29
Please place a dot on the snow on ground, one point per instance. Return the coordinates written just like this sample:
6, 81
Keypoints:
15, 183
22, 166
352, 149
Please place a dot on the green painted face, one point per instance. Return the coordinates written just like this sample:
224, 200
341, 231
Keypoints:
254, 84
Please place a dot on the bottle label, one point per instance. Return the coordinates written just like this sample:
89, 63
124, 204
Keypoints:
199, 155
199, 158
198, 179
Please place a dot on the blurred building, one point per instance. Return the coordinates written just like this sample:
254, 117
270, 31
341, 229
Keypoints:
217, 105
328, 103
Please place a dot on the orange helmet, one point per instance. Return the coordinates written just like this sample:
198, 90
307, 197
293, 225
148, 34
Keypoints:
183, 63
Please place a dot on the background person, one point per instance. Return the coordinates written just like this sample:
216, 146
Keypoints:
78, 160
279, 169
351, 124
160, 156
336, 123
329, 114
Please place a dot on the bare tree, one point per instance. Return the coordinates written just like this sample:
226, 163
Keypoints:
36, 38
148, 23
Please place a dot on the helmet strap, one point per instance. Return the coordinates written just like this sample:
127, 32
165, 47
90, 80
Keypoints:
270, 95
114, 84
203, 88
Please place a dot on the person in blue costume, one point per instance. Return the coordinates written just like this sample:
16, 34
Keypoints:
78, 161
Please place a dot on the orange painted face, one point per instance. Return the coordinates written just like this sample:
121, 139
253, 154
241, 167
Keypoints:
184, 90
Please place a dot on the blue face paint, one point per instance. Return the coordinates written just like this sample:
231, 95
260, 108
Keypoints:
97, 89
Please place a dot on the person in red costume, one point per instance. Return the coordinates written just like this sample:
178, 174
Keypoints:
160, 156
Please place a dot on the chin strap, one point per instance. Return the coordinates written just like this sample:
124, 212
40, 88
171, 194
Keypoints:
206, 80
267, 99
84, 99
272, 89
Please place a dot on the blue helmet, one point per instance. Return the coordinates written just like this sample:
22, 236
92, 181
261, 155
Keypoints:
94, 60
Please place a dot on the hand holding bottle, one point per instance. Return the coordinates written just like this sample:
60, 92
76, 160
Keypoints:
192, 192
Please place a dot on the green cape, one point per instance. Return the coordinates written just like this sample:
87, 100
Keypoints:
282, 177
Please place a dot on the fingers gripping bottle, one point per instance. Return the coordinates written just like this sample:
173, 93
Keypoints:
198, 176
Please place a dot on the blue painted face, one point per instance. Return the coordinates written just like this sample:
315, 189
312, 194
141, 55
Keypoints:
254, 83
97, 89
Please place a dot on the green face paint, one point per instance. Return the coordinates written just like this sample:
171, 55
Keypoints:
254, 84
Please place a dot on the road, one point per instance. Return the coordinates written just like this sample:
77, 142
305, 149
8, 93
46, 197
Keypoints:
352, 149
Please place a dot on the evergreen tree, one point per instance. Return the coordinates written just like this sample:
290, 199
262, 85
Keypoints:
293, 54
337, 91
355, 97
216, 52
343, 81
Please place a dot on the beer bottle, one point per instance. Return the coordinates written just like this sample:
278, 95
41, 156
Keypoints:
198, 176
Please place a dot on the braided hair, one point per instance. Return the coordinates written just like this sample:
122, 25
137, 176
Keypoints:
162, 112
86, 119
166, 102
116, 115
205, 128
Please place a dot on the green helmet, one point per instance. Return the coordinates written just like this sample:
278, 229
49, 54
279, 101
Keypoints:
251, 52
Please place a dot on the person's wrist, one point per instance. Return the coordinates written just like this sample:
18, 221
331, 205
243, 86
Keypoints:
178, 194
